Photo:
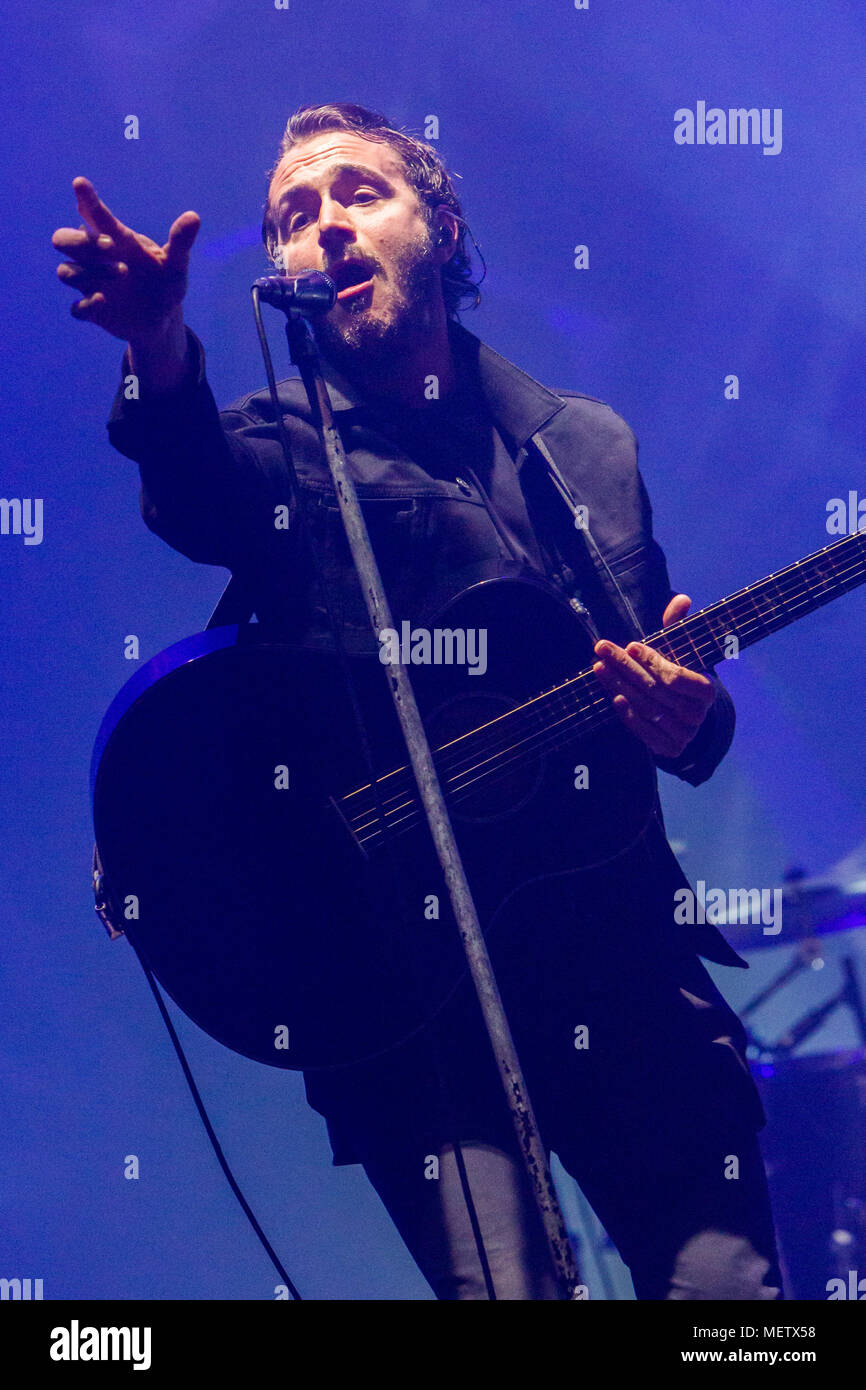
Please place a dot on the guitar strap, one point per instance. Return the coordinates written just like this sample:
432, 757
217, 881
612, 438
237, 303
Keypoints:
619, 599
617, 595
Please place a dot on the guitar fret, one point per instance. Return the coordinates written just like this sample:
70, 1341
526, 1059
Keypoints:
720, 628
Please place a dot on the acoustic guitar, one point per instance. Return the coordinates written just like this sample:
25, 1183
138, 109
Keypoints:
290, 903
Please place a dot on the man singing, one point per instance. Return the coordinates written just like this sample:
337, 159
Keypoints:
657, 1120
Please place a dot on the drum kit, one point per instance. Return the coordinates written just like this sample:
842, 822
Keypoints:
813, 1087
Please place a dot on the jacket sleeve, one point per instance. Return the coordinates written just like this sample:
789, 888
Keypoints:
700, 758
203, 488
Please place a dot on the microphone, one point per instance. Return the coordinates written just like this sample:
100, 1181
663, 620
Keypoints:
309, 292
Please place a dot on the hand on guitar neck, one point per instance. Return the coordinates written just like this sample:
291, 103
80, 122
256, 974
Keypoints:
663, 703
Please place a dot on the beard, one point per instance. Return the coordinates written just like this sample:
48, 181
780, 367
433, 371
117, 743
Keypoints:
383, 336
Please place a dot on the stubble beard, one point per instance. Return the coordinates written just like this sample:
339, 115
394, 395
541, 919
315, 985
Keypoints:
367, 340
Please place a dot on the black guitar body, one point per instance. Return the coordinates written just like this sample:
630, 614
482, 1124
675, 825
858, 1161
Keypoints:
281, 919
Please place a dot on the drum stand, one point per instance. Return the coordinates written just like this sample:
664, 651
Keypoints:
847, 1239
850, 994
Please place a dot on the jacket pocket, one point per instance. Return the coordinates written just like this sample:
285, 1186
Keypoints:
395, 527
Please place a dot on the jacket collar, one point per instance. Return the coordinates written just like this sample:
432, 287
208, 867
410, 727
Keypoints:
518, 403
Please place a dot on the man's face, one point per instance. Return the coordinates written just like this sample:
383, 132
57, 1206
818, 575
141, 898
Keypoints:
341, 204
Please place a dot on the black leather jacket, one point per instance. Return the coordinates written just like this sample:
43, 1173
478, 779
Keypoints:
211, 482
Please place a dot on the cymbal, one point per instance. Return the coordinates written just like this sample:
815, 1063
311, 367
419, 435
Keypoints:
810, 907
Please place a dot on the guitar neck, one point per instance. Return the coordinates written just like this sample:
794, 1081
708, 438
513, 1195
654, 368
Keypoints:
703, 639
579, 706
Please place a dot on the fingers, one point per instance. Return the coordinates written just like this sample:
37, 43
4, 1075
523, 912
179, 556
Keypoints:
691, 686
663, 741
89, 309
83, 245
181, 236
676, 609
650, 690
644, 700
102, 252
663, 704
88, 278
643, 669
102, 233
650, 707
100, 222
94, 212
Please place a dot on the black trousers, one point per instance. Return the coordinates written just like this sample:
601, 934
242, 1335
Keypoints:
636, 1068
692, 1235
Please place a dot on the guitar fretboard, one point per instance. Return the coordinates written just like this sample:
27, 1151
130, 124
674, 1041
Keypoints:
703, 639
579, 706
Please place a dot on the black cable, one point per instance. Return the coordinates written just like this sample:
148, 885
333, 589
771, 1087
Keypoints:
245, 1206
476, 284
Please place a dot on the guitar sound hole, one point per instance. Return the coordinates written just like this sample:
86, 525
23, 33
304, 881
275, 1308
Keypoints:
483, 780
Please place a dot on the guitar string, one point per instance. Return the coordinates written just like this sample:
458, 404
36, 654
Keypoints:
752, 622
747, 630
407, 812
664, 634
757, 621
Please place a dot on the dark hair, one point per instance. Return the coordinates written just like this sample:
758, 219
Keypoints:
424, 171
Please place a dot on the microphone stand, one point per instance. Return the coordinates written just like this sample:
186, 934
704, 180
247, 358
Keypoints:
304, 355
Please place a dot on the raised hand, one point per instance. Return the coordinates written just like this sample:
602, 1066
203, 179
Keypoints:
130, 286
